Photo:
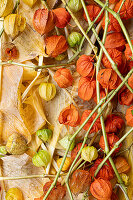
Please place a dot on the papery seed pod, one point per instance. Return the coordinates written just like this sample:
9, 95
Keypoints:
101, 189
102, 95
9, 52
129, 116
63, 77
79, 181
126, 11
97, 125
47, 91
130, 81
89, 153
6, 7
108, 79
69, 116
125, 178
85, 66
93, 11
14, 193
55, 45
29, 2
62, 17
44, 134
41, 158
74, 39
121, 164
86, 88
114, 196
113, 1
14, 24
64, 142
115, 40
66, 165
128, 52
44, 21
74, 5
113, 25
3, 150
112, 139
75, 151
125, 97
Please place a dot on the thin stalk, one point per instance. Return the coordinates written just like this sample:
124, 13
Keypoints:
121, 6
122, 190
1, 32
16, 6
69, 191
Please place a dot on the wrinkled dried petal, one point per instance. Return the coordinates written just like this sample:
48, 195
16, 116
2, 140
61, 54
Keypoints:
62, 17
129, 116
125, 97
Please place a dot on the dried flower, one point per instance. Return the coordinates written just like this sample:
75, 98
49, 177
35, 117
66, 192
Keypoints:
6, 7
125, 97
113, 123
69, 116
29, 2
41, 158
62, 17
101, 189
113, 25
89, 153
97, 125
130, 81
9, 52
113, 1
108, 79
115, 40
126, 11
74, 5
64, 142
122, 165
14, 193
44, 21
47, 91
80, 181
63, 77
112, 139
102, 95
55, 45
75, 151
86, 88
74, 39
13, 24
106, 172
93, 11
125, 178
85, 66
129, 116
66, 165
44, 134
128, 52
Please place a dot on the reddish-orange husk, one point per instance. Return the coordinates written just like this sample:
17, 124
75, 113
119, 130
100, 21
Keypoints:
93, 11
122, 165
101, 189
11, 53
85, 66
125, 97
126, 11
44, 21
115, 40
69, 116
55, 45
128, 52
113, 25
112, 1
97, 125
114, 196
62, 17
129, 116
75, 151
63, 77
130, 81
102, 95
86, 88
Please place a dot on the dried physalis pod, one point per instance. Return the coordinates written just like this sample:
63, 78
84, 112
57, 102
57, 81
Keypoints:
128, 52
75, 151
69, 116
74, 39
9, 52
113, 25
121, 164
55, 45
108, 79
14, 193
85, 66
129, 116
102, 95
97, 125
29, 2
112, 139
6, 7
101, 189
113, 1
66, 165
80, 181
74, 5
44, 21
113, 123
89, 153
86, 88
106, 172
130, 81
126, 11
93, 11
125, 97
14, 24
47, 91
115, 40
114, 196
62, 17
63, 77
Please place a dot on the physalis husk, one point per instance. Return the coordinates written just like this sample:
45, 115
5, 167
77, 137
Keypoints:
6, 7
29, 2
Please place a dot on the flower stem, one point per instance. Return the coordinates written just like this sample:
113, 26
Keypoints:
1, 31
16, 6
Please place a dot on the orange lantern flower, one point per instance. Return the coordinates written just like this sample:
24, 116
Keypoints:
62, 17
97, 125
102, 95
10, 53
113, 25
80, 181
115, 40
86, 88
85, 66
112, 139
114, 196
125, 97
69, 116
93, 11
55, 45
106, 172
101, 189
75, 151
128, 52
113, 123
108, 79
126, 11
130, 81
44, 21
63, 77
122, 165
113, 1
129, 116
